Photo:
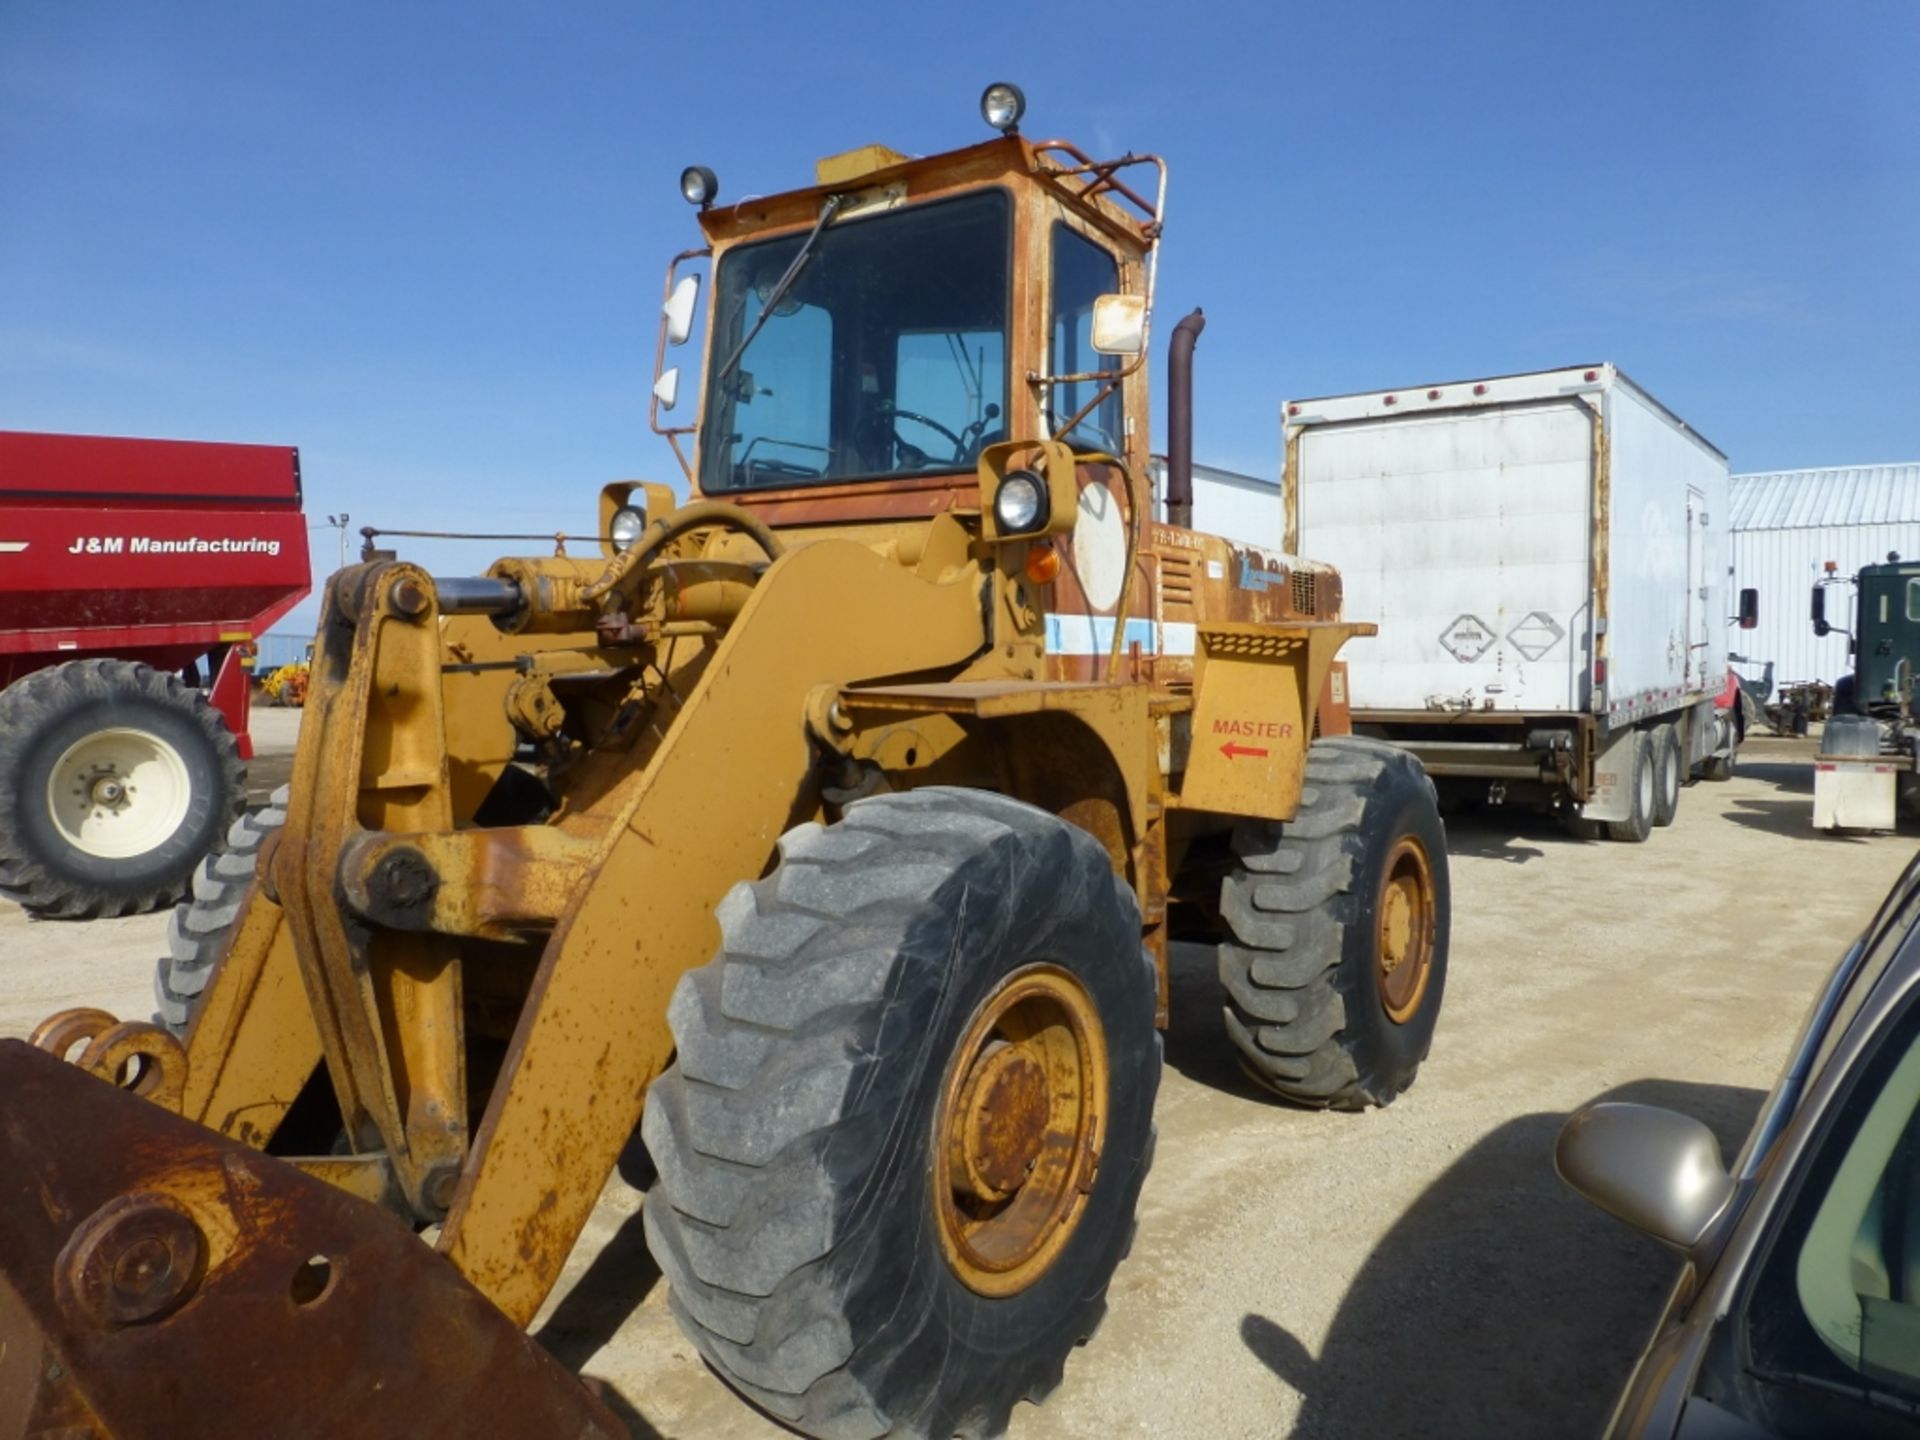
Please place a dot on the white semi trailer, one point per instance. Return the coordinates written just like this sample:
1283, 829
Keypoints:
1546, 556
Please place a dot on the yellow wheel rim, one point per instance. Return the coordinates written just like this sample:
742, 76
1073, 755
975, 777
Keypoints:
1403, 941
1017, 1135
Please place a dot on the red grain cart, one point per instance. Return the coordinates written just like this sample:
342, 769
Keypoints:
133, 575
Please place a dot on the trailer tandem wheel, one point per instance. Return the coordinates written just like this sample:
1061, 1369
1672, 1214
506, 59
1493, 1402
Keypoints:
124, 779
1669, 766
900, 1147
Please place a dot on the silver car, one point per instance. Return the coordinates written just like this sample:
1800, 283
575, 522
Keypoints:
1797, 1311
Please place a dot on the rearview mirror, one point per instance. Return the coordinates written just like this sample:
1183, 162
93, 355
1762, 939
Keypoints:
679, 310
667, 388
1120, 324
1658, 1170
1820, 625
1749, 609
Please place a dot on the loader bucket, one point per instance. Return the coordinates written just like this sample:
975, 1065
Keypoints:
159, 1280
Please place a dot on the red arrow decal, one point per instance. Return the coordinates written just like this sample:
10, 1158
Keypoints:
1231, 750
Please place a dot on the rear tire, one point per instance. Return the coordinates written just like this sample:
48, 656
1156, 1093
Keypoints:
1640, 795
124, 779
197, 934
1668, 766
1322, 1012
800, 1214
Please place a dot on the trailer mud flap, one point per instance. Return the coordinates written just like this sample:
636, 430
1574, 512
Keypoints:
1612, 797
158, 1280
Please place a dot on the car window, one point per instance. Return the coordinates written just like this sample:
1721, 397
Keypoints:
1898, 913
1835, 1309
1858, 1272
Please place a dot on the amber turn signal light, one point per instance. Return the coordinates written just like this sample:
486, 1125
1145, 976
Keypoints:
1043, 563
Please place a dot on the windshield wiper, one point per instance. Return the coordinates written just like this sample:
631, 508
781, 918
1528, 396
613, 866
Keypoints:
779, 291
1870, 1395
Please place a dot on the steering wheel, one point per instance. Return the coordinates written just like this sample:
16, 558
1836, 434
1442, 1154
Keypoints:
913, 452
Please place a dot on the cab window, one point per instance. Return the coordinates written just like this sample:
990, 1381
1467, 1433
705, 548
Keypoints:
1836, 1307
1082, 273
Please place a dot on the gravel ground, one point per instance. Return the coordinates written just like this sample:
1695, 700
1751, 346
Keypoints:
1413, 1270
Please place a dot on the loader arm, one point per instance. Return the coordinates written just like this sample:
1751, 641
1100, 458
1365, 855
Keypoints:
732, 775
348, 949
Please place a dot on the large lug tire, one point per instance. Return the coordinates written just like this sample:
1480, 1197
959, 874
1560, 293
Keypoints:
1668, 767
120, 779
902, 1142
198, 932
1339, 919
1641, 795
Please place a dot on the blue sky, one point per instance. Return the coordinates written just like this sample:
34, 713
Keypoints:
424, 243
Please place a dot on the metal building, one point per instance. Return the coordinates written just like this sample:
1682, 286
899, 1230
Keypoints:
1227, 503
1786, 525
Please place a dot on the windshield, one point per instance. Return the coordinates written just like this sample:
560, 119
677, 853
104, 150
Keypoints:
885, 356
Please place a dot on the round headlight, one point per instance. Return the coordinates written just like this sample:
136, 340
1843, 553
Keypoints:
1002, 105
625, 528
1018, 502
699, 185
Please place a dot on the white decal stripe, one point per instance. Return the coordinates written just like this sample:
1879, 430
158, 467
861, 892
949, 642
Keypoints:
12, 547
1177, 637
1093, 634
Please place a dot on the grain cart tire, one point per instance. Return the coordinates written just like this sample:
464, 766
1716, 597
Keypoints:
1642, 795
900, 1147
1668, 766
1338, 921
124, 779
197, 933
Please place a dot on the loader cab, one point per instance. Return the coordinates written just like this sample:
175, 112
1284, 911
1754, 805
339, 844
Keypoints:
868, 338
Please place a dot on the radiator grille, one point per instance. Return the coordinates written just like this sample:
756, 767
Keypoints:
1305, 598
1176, 583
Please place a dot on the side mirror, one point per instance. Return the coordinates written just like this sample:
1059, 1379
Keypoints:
667, 388
1658, 1170
1120, 324
1749, 609
1820, 625
679, 310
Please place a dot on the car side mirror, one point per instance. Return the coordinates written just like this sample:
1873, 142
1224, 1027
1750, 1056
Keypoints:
1749, 609
1658, 1170
1120, 324
679, 309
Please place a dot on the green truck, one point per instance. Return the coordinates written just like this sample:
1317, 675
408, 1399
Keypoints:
1868, 770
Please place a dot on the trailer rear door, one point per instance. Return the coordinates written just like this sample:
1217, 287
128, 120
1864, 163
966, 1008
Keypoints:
1466, 537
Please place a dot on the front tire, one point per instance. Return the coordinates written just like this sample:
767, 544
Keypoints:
901, 1145
1339, 923
1720, 766
124, 779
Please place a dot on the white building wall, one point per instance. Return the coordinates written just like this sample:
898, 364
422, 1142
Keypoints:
1783, 566
1232, 505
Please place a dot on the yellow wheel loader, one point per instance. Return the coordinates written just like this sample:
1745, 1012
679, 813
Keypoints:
832, 828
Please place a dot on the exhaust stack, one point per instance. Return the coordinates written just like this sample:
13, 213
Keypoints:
1180, 418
